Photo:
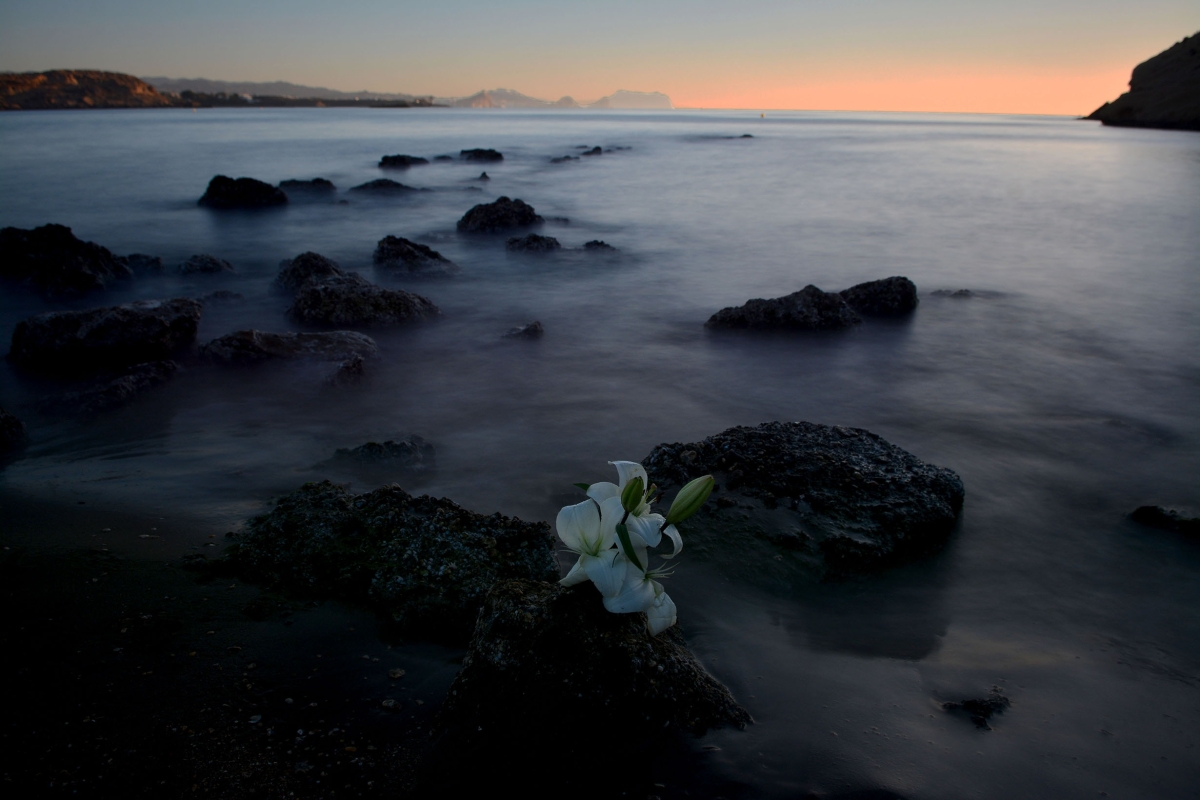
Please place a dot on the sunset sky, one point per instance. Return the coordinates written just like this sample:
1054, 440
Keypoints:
1018, 56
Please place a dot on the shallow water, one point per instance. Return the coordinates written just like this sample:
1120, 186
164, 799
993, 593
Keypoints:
1064, 392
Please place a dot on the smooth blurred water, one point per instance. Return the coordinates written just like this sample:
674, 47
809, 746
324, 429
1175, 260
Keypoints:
1064, 392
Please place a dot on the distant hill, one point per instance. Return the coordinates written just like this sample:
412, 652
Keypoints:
76, 88
507, 98
270, 89
1164, 91
626, 99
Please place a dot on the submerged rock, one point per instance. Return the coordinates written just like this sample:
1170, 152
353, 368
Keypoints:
382, 186
411, 452
224, 192
425, 562
595, 151
105, 338
401, 162
533, 330
1167, 519
828, 499
203, 263
51, 260
220, 296
809, 309
253, 347
395, 252
12, 433
959, 293
353, 301
888, 297
142, 264
116, 390
317, 187
348, 373
549, 670
563, 159
500, 215
443, 158
480, 154
532, 243
483, 176
598, 246
982, 709
305, 269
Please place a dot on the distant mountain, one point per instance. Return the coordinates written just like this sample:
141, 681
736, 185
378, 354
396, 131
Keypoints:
270, 89
507, 98
76, 88
1164, 91
625, 99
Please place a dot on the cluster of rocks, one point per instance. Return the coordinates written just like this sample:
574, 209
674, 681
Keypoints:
812, 309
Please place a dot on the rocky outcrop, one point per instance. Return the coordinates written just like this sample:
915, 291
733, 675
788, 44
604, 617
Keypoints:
395, 252
349, 373
226, 193
89, 341
115, 390
502, 215
889, 297
315, 188
549, 670
809, 309
305, 269
204, 264
51, 260
826, 499
412, 453
352, 301
1166, 519
532, 243
142, 264
481, 154
76, 88
425, 562
12, 433
1164, 91
533, 330
598, 246
981, 709
383, 187
401, 162
255, 347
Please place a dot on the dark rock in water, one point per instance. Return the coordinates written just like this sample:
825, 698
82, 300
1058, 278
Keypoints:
840, 500
809, 309
549, 670
479, 154
1164, 91
395, 252
960, 293
425, 562
411, 452
105, 338
595, 151
353, 301
142, 264
253, 347
117, 390
382, 186
12, 433
597, 246
532, 244
348, 373
51, 260
443, 158
204, 264
317, 187
533, 330
982, 709
888, 297
746, 136
401, 162
304, 269
220, 296
562, 159
483, 176
1167, 519
224, 192
500, 215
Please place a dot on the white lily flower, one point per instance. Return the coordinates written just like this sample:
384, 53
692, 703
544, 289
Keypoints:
581, 528
643, 522
640, 592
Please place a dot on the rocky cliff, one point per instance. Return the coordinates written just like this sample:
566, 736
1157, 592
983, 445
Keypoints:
1164, 91
70, 88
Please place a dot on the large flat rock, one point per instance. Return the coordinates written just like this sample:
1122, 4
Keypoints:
253, 347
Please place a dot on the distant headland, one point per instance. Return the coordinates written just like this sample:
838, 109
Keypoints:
1164, 91
74, 89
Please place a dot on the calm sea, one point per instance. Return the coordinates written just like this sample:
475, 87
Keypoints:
1064, 391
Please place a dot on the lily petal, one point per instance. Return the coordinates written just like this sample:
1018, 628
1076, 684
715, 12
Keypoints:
673, 534
661, 614
647, 526
603, 490
579, 526
576, 575
628, 470
611, 514
637, 594
607, 571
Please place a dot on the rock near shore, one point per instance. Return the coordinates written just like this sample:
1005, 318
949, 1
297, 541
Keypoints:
1164, 91
401, 162
532, 243
889, 297
481, 154
228, 193
77, 88
204, 264
827, 499
352, 301
84, 342
425, 562
502, 215
304, 269
809, 309
396, 252
255, 347
51, 260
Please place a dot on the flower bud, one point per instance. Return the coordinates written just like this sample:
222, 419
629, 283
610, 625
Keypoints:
690, 498
632, 494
